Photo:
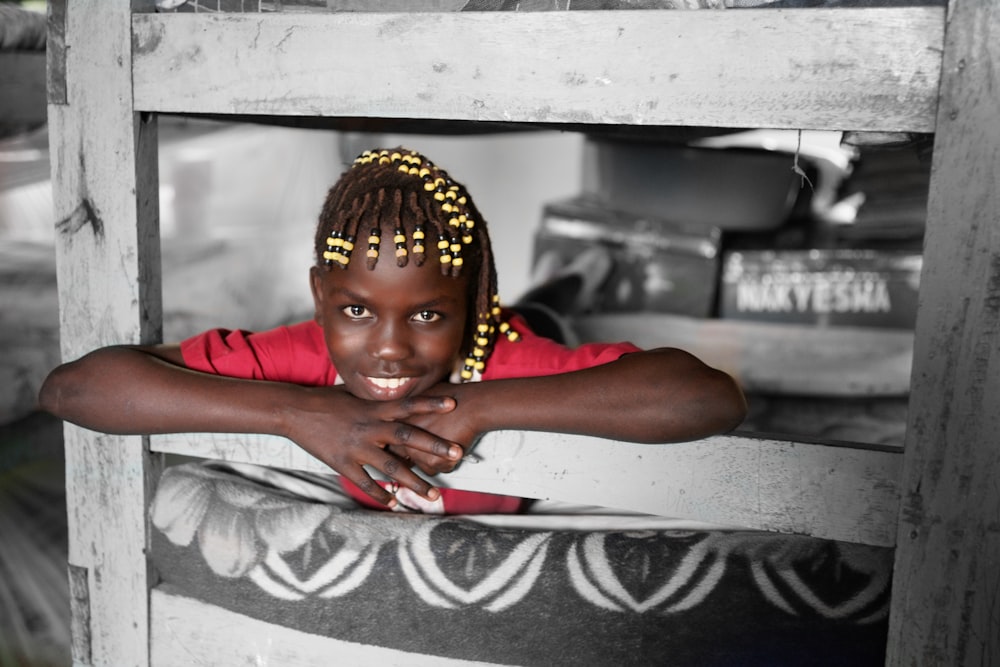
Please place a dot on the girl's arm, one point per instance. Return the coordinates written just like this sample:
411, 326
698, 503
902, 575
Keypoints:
145, 390
656, 396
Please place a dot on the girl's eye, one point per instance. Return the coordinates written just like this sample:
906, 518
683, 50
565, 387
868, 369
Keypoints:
356, 312
427, 316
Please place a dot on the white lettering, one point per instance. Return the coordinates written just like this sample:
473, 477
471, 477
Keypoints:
818, 296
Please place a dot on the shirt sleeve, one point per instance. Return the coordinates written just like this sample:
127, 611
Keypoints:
535, 356
295, 353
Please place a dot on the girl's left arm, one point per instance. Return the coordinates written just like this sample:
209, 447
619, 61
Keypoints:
655, 396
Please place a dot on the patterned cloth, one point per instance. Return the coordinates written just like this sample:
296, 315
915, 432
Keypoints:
280, 549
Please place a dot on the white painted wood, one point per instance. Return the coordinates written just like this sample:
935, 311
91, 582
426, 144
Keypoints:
105, 203
946, 586
783, 359
827, 491
874, 69
188, 632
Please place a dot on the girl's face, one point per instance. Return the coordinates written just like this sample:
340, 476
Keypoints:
393, 331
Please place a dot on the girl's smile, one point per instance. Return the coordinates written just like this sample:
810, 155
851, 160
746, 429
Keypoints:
391, 331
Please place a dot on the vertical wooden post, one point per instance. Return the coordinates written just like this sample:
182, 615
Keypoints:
104, 175
946, 590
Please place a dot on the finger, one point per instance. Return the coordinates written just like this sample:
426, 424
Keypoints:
396, 470
419, 405
371, 487
426, 463
418, 440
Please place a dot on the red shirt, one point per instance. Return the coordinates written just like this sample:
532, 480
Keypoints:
298, 354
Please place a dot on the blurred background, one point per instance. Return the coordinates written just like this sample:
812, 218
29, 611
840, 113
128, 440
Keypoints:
790, 259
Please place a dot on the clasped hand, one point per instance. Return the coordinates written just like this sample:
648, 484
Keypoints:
346, 432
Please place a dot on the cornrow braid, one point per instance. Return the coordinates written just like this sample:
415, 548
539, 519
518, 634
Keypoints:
402, 191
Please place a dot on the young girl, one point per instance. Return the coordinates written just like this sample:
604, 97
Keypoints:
408, 360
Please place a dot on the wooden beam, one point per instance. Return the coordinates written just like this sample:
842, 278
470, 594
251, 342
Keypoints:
878, 68
946, 586
104, 175
836, 492
187, 631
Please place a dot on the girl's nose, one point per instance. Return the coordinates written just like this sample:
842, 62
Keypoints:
390, 342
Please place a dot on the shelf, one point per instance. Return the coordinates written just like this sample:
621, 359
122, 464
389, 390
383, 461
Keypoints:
788, 359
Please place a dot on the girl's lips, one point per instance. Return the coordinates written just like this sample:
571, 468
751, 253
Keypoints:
387, 389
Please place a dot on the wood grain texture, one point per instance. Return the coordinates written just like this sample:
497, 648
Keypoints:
827, 491
878, 68
107, 260
946, 590
189, 632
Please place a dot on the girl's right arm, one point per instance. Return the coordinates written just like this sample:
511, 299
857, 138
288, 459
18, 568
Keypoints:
148, 389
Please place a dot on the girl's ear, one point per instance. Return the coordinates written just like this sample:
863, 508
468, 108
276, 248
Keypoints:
316, 285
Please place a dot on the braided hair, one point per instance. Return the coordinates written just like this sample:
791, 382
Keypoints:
401, 190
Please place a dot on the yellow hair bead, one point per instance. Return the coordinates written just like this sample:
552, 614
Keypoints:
446, 259
458, 261
400, 252
439, 196
446, 207
418, 235
504, 326
399, 238
418, 248
428, 186
482, 342
479, 366
403, 168
467, 239
455, 247
466, 375
443, 244
372, 252
482, 328
478, 352
374, 239
348, 246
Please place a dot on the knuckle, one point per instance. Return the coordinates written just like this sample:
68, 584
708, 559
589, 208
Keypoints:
391, 467
403, 434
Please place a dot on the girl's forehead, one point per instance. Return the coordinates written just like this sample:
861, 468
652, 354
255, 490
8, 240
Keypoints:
389, 283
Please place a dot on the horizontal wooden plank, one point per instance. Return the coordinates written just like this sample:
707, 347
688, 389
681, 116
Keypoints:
188, 632
849, 69
786, 359
835, 492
